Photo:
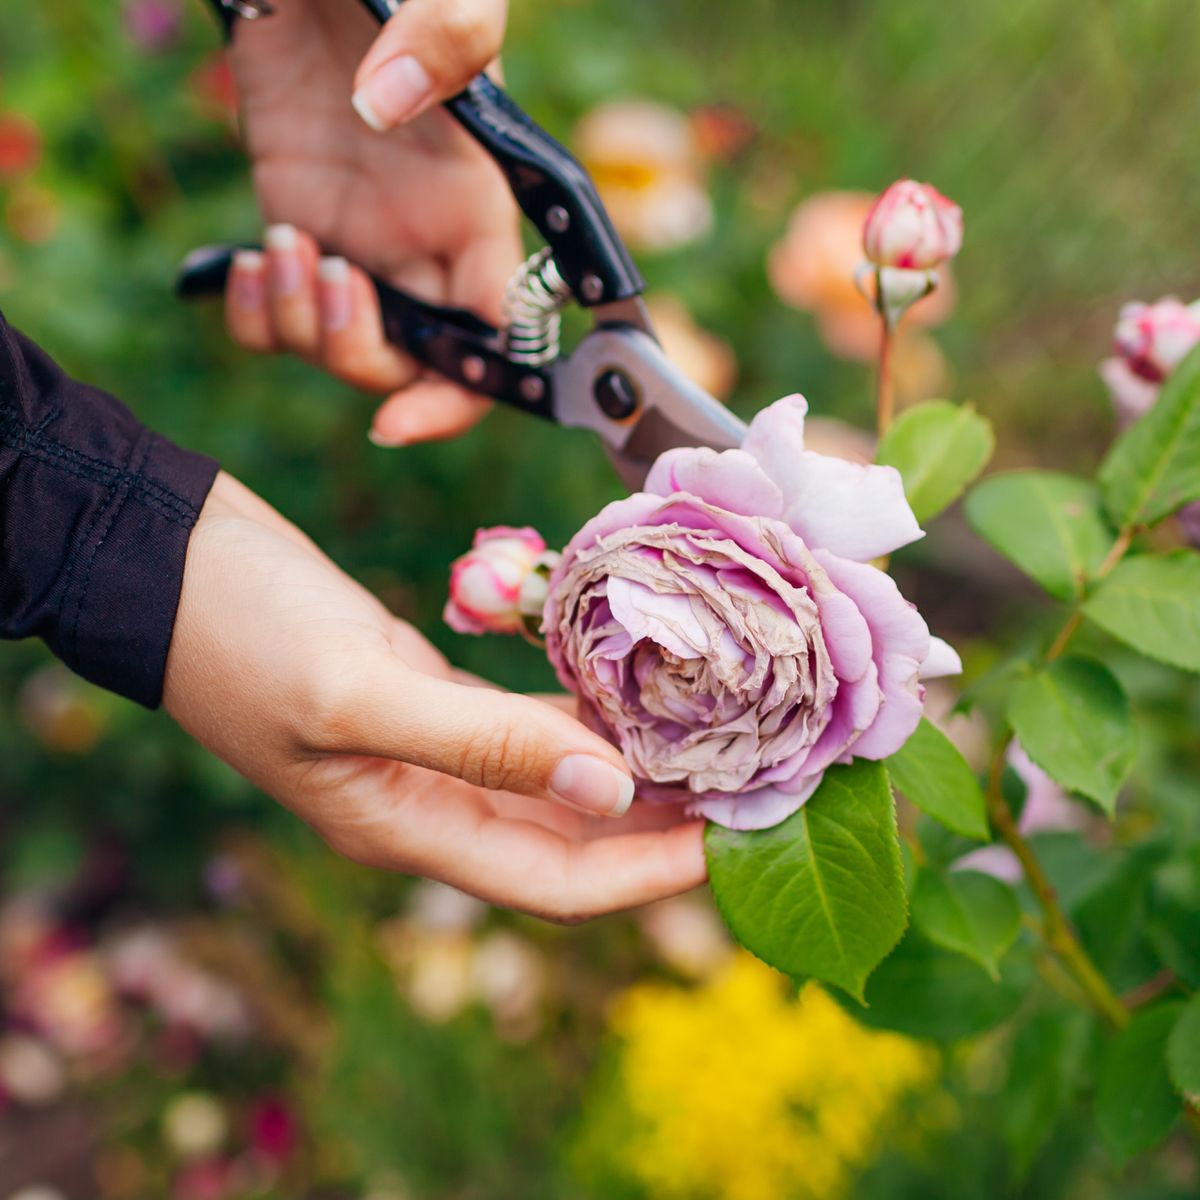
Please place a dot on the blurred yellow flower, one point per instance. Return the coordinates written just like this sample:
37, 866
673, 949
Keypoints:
649, 171
738, 1091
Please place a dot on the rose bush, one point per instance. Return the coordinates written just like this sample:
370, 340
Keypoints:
727, 629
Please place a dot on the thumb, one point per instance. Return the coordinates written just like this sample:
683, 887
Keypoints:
429, 51
492, 739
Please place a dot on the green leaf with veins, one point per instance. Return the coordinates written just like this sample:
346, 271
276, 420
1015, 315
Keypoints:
938, 448
822, 893
1049, 525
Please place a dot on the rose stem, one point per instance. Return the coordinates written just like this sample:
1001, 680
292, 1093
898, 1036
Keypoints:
885, 397
1057, 933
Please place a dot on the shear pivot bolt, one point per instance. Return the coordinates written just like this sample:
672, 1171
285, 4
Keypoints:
532, 388
592, 288
558, 218
616, 395
474, 368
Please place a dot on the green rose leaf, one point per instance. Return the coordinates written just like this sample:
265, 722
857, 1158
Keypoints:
1183, 1052
967, 912
1050, 525
1153, 604
1047, 1057
927, 992
935, 777
1153, 468
1073, 720
938, 448
821, 894
1135, 1103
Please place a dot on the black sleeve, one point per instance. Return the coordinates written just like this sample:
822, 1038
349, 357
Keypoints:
95, 516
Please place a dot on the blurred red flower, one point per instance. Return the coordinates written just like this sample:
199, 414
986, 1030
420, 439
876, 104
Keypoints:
20, 145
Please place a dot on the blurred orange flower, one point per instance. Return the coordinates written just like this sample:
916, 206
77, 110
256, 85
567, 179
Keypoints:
649, 171
20, 145
721, 131
812, 268
703, 357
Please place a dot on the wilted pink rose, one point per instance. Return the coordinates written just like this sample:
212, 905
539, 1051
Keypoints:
485, 583
726, 629
912, 226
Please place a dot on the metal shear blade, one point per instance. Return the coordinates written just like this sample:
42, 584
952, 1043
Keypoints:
664, 408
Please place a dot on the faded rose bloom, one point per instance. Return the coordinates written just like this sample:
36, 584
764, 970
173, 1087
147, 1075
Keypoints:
649, 171
813, 268
485, 583
1151, 340
912, 226
726, 629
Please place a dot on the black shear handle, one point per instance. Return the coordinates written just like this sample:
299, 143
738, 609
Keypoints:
549, 184
453, 341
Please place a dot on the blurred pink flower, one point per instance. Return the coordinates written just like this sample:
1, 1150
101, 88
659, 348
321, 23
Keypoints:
912, 226
274, 1130
1151, 340
153, 25
813, 267
1047, 809
648, 168
727, 629
485, 583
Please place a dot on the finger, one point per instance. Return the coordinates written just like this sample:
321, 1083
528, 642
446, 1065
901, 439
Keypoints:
292, 289
524, 866
429, 51
246, 315
431, 410
352, 343
494, 740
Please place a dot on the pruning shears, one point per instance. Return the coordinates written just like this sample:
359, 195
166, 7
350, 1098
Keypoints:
616, 381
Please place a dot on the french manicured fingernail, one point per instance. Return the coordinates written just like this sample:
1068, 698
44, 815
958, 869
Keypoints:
593, 785
333, 293
388, 441
249, 286
394, 92
283, 261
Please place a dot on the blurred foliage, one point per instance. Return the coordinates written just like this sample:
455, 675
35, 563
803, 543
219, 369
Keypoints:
1064, 130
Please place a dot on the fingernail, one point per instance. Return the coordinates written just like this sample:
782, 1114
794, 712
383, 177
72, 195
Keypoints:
283, 263
388, 441
394, 92
333, 293
249, 290
593, 785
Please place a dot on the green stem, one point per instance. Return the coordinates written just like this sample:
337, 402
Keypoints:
885, 392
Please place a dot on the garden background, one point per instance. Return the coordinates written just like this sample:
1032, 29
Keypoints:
326, 1031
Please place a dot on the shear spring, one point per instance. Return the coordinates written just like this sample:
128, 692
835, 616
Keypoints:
536, 294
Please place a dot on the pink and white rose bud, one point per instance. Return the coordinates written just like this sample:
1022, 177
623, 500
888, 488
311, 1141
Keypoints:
486, 582
912, 226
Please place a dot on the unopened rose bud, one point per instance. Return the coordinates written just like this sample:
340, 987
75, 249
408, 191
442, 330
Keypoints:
912, 226
1153, 339
485, 583
535, 587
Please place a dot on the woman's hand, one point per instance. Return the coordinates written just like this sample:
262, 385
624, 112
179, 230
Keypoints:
422, 205
298, 678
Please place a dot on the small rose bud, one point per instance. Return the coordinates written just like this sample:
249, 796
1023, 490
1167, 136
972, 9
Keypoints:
912, 226
535, 587
1154, 338
485, 583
